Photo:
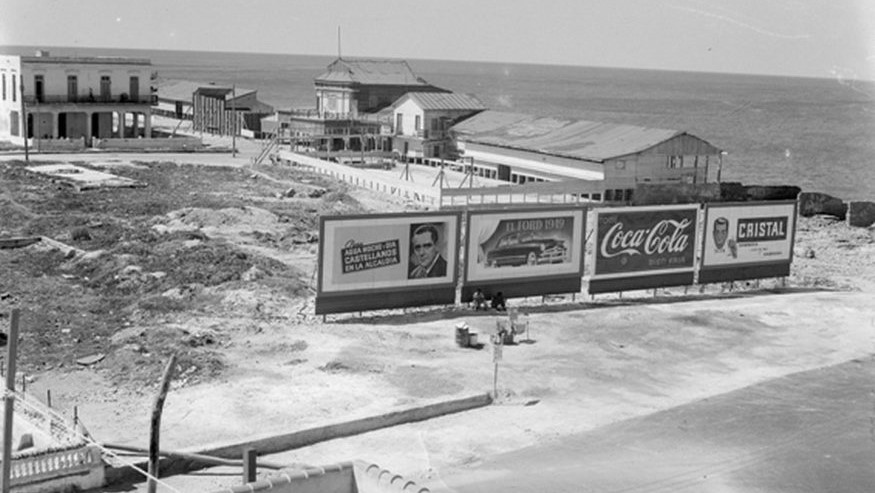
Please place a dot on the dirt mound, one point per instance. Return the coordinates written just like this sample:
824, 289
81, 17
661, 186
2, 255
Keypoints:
237, 219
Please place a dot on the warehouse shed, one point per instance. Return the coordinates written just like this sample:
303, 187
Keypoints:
522, 148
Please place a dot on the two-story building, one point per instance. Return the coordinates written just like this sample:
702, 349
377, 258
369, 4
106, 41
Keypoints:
422, 121
48, 97
352, 111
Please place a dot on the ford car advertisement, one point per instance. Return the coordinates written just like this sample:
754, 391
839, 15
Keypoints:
524, 244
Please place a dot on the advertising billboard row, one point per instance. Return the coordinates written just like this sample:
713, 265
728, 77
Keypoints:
399, 260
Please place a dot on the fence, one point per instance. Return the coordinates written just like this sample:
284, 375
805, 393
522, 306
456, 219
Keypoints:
56, 145
367, 179
79, 468
556, 193
163, 144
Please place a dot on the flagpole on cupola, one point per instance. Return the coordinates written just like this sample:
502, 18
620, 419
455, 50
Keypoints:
338, 43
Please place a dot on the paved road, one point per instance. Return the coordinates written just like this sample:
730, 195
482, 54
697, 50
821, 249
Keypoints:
811, 432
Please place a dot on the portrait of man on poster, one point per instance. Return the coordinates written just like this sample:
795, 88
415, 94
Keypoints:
720, 234
426, 258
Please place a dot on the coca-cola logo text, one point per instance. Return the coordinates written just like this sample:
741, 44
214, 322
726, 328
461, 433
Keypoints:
666, 236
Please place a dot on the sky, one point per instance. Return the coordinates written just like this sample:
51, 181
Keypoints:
809, 38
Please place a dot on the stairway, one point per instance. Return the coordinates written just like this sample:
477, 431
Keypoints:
266, 149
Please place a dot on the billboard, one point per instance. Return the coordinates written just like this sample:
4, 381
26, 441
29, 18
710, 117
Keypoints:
387, 261
642, 247
524, 251
747, 241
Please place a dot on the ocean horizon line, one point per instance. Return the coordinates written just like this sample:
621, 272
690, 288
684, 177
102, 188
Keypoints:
20, 48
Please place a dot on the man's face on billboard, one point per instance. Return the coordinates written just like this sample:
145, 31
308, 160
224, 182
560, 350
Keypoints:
424, 248
721, 231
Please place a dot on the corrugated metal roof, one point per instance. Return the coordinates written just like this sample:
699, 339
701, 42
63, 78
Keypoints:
579, 139
182, 90
177, 90
444, 101
371, 72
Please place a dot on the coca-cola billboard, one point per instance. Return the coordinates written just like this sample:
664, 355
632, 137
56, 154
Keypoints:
644, 240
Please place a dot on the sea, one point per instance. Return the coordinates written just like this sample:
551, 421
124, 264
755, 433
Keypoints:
815, 133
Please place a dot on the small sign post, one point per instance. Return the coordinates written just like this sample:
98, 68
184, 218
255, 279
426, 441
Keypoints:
497, 353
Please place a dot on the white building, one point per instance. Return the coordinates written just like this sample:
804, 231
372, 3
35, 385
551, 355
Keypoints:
74, 98
422, 121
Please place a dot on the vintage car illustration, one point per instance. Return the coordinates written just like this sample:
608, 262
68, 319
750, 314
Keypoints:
526, 249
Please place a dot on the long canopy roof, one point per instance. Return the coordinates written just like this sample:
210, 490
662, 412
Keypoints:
578, 139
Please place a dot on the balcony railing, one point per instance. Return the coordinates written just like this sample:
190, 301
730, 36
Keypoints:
328, 115
91, 99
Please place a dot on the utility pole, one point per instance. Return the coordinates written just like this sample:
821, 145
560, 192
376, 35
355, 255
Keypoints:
234, 122
9, 400
24, 124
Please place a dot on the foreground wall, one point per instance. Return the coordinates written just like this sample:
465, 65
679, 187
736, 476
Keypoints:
344, 477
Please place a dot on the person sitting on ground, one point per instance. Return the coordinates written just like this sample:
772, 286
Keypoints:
479, 300
498, 302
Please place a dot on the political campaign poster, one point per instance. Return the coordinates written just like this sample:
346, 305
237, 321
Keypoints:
524, 252
643, 247
747, 240
388, 260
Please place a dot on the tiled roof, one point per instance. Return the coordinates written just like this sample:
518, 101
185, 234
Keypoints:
370, 72
579, 139
445, 101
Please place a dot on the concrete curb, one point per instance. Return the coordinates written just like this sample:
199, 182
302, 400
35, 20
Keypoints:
303, 438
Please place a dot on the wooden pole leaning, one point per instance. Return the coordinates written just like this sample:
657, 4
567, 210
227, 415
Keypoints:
154, 437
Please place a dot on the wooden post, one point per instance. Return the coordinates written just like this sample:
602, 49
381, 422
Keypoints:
234, 120
49, 398
24, 124
249, 465
495, 382
9, 399
156, 425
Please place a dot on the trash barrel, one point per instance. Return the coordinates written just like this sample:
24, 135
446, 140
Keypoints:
472, 339
462, 335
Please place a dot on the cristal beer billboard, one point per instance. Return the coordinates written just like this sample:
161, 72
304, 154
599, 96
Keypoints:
642, 247
387, 261
747, 241
524, 252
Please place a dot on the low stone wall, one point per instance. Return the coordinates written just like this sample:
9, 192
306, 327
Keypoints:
344, 477
311, 436
815, 203
303, 438
158, 144
56, 145
861, 214
675, 193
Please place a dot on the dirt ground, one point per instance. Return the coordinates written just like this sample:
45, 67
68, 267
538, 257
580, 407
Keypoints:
214, 260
